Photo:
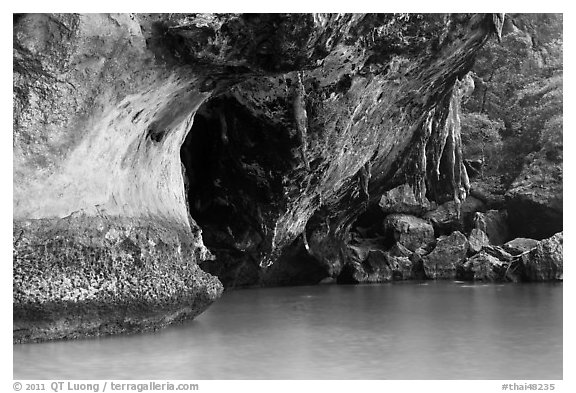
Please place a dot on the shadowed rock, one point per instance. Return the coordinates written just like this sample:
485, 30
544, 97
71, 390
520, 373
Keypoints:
520, 245
477, 240
483, 267
494, 224
535, 198
239, 132
545, 262
442, 262
445, 218
409, 231
402, 200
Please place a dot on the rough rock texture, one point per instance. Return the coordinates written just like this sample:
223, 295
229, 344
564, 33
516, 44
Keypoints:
494, 223
241, 132
520, 245
87, 276
309, 151
455, 216
402, 200
545, 262
483, 267
528, 260
498, 252
409, 231
377, 266
445, 218
467, 211
489, 191
477, 240
449, 253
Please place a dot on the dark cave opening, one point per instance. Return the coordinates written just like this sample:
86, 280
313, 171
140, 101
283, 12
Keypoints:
234, 164
226, 180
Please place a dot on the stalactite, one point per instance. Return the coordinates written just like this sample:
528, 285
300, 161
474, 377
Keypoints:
465, 180
498, 21
419, 186
445, 146
463, 90
301, 117
305, 241
450, 154
365, 179
443, 130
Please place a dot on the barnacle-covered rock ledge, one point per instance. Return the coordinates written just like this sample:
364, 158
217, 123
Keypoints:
140, 138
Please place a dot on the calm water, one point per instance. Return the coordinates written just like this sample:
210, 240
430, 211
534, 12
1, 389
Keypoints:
440, 330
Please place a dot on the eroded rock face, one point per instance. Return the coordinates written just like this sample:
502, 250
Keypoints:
477, 240
307, 146
409, 231
445, 218
494, 224
520, 245
545, 262
91, 276
122, 117
402, 200
467, 211
377, 266
483, 267
527, 260
449, 253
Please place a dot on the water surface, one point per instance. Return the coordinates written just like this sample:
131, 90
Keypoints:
436, 330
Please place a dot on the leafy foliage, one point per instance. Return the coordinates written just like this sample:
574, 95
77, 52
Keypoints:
481, 139
518, 86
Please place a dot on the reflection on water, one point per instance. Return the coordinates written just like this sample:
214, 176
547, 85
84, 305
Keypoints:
439, 330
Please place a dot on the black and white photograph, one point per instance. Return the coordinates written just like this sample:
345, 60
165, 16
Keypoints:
286, 196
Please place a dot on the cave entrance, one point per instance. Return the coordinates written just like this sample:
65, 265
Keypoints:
233, 163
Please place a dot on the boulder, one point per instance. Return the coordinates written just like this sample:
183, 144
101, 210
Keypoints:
494, 224
443, 261
483, 267
398, 250
351, 273
409, 231
545, 262
365, 263
360, 248
477, 240
468, 209
445, 218
498, 252
417, 272
520, 245
379, 266
402, 200
401, 267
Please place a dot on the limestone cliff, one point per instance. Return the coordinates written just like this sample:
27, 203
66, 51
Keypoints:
139, 138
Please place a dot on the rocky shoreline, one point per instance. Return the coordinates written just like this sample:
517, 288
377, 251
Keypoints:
85, 276
470, 245
159, 158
